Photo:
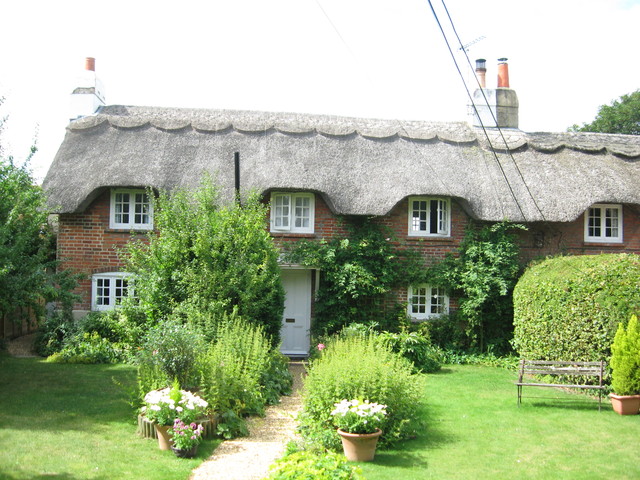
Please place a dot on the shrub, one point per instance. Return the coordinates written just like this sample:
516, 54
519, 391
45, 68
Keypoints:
210, 258
569, 307
87, 348
51, 335
625, 359
416, 348
359, 367
310, 465
236, 361
170, 352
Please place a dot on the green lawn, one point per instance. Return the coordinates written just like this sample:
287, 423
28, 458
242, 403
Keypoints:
74, 422
476, 431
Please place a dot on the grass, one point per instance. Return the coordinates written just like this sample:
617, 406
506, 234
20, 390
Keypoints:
72, 422
475, 430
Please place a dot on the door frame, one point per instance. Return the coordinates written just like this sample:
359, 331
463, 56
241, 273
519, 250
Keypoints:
313, 288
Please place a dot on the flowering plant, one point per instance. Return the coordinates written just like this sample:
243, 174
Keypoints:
185, 435
355, 416
165, 405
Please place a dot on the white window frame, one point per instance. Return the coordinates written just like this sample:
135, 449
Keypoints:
434, 301
132, 205
442, 209
114, 285
604, 221
289, 213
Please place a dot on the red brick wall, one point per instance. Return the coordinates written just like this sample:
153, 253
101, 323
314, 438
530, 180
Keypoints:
86, 244
544, 239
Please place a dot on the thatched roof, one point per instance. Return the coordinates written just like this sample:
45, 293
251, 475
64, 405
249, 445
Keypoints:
359, 166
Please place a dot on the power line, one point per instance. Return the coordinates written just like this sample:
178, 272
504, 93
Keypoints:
464, 50
504, 175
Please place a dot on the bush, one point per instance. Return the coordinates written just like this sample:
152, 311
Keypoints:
88, 348
568, 307
237, 360
207, 258
310, 465
416, 348
170, 351
359, 367
625, 359
51, 335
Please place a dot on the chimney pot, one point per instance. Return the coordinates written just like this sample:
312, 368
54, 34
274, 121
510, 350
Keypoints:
90, 64
503, 73
481, 71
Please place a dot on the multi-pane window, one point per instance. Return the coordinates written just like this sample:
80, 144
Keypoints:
109, 289
131, 209
292, 212
429, 216
603, 223
427, 301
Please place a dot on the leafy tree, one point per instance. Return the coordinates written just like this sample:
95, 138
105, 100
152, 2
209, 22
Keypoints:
27, 247
207, 259
622, 116
484, 273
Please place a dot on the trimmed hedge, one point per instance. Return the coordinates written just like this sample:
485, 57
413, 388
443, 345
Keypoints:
569, 307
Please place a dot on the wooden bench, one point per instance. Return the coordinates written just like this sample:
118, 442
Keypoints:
530, 368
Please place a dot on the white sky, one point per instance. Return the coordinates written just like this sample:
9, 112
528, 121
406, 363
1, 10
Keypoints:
367, 58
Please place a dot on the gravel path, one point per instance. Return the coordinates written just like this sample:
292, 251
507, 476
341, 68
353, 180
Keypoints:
249, 458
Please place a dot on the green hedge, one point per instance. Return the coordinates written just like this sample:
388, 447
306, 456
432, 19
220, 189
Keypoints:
569, 307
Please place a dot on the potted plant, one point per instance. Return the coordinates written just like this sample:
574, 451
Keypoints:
164, 406
186, 437
359, 426
625, 366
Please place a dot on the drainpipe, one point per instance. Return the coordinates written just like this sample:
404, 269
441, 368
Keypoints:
236, 161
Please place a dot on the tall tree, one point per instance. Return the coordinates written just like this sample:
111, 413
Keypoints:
622, 116
206, 261
27, 253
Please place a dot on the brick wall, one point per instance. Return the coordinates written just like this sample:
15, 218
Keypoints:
87, 244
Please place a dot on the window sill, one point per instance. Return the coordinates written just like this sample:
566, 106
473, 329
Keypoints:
417, 238
292, 235
125, 230
604, 244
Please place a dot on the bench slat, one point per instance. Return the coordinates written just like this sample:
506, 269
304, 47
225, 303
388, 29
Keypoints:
559, 385
560, 368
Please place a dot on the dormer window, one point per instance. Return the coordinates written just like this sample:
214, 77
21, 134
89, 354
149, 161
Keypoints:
131, 209
292, 212
429, 217
603, 224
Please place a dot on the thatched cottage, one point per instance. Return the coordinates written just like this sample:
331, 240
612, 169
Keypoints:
578, 193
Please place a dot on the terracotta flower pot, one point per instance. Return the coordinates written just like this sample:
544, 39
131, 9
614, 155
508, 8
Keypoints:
164, 439
625, 404
359, 447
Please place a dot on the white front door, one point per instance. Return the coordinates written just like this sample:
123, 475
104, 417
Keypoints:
296, 319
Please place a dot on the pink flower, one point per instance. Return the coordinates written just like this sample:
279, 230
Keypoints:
321, 346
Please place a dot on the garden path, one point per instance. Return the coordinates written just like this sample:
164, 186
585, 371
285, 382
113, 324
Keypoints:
249, 458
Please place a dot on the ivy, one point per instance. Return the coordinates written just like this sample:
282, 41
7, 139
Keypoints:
358, 274
483, 273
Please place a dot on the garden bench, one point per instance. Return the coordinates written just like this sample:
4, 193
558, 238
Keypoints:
529, 368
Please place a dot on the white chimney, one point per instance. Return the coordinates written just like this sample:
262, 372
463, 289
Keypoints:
88, 95
495, 107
